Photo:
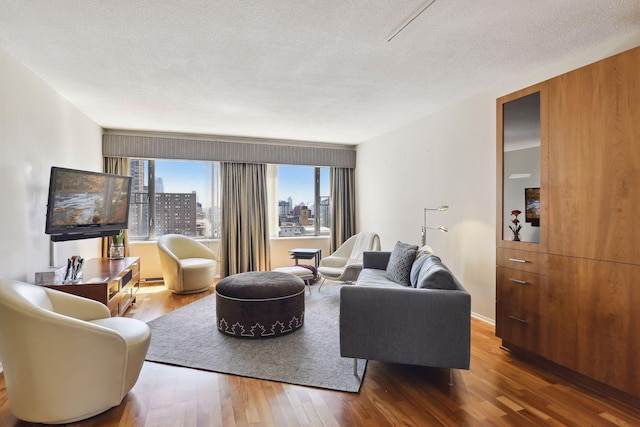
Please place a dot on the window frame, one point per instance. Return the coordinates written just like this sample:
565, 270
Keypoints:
317, 197
149, 198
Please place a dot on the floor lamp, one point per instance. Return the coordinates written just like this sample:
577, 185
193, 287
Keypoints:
424, 226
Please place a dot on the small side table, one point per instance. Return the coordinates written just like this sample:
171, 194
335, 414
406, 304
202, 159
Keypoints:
304, 253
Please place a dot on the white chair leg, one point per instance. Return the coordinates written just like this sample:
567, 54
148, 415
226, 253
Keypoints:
321, 283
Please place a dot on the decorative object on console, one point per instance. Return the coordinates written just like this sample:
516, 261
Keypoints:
116, 250
73, 272
515, 228
424, 226
53, 275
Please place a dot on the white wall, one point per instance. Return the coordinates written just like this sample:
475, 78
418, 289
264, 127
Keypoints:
449, 158
38, 129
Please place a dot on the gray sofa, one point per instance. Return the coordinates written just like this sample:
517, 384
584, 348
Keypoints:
383, 320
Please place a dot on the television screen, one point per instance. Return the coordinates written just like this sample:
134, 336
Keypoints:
84, 204
532, 206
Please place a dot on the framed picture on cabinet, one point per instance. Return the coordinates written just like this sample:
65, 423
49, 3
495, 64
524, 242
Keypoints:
532, 206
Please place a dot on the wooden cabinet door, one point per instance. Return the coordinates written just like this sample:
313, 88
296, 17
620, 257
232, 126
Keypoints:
594, 160
608, 321
559, 312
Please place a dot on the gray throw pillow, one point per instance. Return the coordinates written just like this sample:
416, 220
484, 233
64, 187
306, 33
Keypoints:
400, 262
434, 275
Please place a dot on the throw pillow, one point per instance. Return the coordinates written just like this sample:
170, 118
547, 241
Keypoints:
400, 262
434, 275
421, 258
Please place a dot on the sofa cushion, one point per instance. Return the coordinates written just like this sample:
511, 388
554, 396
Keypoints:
400, 262
375, 278
434, 275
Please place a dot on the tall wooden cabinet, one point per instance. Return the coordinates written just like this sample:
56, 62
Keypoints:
573, 296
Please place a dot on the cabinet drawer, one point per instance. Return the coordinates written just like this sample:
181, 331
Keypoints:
520, 291
524, 333
528, 283
535, 262
519, 311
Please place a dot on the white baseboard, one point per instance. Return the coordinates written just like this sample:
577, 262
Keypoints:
483, 318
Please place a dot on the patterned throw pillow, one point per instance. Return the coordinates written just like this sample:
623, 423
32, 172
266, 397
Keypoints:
400, 262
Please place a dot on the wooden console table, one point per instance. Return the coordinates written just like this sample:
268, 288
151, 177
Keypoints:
114, 283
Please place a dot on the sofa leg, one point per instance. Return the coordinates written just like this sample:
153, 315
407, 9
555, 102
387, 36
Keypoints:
450, 377
355, 367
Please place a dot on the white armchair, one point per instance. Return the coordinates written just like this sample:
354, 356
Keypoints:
345, 263
188, 266
64, 358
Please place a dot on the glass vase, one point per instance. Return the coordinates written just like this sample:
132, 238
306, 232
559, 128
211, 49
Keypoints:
116, 251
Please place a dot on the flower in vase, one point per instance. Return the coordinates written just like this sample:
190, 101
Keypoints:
515, 228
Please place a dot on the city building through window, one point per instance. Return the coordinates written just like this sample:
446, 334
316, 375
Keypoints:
303, 201
183, 197
174, 197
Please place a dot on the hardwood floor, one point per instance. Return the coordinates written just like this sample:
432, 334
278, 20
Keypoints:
499, 390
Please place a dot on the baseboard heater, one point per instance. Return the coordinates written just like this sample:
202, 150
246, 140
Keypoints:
151, 281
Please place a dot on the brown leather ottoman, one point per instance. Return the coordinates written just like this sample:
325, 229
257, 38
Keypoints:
260, 304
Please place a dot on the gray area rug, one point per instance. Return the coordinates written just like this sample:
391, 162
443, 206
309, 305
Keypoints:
310, 356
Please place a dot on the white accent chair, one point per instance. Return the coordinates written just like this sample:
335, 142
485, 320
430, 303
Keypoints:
345, 263
188, 266
64, 358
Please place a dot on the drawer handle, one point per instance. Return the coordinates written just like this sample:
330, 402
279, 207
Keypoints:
517, 260
517, 319
522, 282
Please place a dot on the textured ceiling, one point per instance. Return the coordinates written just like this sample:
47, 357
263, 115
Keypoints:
292, 69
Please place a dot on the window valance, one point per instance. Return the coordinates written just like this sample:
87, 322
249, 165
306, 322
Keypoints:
243, 150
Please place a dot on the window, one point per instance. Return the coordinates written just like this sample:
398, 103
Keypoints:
303, 201
174, 197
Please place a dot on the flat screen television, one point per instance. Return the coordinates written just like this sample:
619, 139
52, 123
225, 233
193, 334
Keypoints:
84, 204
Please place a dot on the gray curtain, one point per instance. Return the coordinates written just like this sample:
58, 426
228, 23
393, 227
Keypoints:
118, 166
245, 222
343, 205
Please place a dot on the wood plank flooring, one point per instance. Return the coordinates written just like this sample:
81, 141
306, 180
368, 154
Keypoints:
498, 390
